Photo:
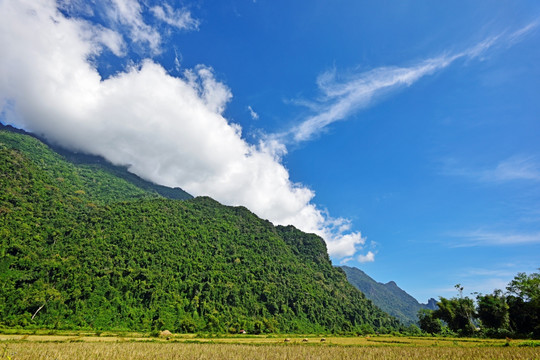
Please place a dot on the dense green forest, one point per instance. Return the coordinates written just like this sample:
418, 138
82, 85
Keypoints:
389, 297
106, 181
82, 248
514, 313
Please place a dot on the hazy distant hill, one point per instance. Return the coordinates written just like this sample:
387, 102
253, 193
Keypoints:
388, 297
83, 248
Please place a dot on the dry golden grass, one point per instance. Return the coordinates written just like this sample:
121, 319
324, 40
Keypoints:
262, 339
141, 350
135, 346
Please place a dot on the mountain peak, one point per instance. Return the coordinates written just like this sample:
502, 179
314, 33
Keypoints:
389, 297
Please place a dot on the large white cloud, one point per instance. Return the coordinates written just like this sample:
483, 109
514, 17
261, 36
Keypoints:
166, 129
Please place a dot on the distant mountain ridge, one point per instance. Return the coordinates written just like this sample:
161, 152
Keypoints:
389, 297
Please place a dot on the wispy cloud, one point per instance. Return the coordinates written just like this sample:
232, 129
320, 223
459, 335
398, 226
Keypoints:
484, 280
253, 114
179, 18
518, 35
482, 272
341, 98
516, 168
128, 14
472, 287
493, 238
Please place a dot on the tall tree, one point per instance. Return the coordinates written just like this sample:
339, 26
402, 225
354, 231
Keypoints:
493, 310
428, 322
525, 286
457, 312
524, 304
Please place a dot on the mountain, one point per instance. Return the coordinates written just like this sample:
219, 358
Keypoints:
82, 248
89, 163
389, 297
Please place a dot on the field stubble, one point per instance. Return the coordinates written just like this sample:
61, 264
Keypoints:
120, 348
140, 351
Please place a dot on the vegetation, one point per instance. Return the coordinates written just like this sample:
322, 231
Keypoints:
84, 249
104, 180
389, 297
180, 347
514, 314
429, 323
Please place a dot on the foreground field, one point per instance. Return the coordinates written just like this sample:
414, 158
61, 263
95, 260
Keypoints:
138, 350
134, 347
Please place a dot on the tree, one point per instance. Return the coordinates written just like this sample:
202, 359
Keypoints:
458, 313
428, 323
524, 304
526, 287
413, 330
493, 310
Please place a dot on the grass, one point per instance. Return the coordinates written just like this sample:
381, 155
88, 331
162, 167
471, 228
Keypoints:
134, 346
140, 350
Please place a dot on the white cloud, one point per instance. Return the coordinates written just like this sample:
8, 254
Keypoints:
166, 129
177, 60
180, 19
253, 114
516, 168
483, 280
493, 238
369, 257
128, 13
347, 244
485, 285
345, 260
109, 38
76, 7
498, 272
342, 98
518, 35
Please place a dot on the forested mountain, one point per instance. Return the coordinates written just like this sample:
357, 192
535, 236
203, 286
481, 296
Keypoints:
83, 248
87, 164
389, 297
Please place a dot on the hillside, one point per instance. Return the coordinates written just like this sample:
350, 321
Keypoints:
389, 297
83, 248
90, 169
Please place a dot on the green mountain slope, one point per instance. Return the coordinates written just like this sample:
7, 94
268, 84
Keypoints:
81, 248
389, 297
103, 178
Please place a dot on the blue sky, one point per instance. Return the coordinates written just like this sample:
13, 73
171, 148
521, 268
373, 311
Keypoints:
403, 132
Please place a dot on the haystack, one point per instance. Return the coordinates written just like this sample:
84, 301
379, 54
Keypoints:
165, 334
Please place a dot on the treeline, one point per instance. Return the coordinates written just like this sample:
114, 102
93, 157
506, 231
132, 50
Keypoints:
83, 249
514, 313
